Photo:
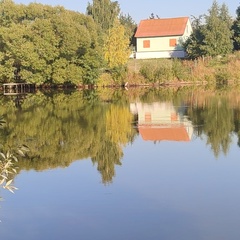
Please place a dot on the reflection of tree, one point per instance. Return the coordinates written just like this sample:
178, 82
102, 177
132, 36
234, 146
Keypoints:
237, 124
218, 125
210, 113
216, 121
60, 128
116, 133
107, 156
118, 128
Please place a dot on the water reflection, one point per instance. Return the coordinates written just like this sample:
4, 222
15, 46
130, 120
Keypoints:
60, 128
216, 121
159, 121
169, 190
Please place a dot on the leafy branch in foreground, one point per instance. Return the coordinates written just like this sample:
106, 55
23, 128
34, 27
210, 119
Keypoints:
7, 160
7, 169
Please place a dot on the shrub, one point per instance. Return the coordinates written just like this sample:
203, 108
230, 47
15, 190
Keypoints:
157, 70
180, 70
105, 79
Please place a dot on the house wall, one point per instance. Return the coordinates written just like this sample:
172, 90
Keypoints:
160, 54
158, 44
160, 47
188, 30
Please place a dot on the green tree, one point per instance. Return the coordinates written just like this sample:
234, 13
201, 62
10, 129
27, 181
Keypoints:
213, 36
104, 13
217, 33
130, 27
193, 45
43, 44
236, 30
225, 15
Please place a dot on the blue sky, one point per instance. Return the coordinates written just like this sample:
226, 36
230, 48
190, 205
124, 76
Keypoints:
142, 9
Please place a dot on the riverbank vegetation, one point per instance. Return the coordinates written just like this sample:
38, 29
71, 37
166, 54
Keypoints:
51, 46
48, 45
203, 70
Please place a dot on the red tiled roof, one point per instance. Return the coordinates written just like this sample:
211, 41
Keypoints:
162, 27
150, 133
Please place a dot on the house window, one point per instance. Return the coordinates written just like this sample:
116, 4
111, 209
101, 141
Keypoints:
148, 117
146, 44
173, 42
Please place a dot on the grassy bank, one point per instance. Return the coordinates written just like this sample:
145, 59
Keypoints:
219, 70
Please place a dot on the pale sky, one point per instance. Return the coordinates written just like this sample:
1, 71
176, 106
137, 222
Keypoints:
142, 9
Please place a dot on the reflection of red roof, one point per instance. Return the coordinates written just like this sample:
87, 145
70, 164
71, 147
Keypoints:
167, 133
162, 27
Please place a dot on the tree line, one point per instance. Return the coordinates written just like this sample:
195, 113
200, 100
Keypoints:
215, 33
48, 45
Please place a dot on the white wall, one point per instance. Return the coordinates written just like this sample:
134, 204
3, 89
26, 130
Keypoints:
158, 44
160, 54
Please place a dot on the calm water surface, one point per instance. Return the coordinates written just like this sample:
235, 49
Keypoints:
160, 165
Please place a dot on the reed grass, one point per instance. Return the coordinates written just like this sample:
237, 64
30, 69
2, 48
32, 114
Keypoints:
207, 70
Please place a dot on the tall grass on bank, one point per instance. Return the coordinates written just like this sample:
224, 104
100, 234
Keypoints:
219, 70
156, 70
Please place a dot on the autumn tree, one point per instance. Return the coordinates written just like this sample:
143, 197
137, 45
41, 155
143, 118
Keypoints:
116, 46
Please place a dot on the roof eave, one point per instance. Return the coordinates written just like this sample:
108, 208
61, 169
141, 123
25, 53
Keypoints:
155, 36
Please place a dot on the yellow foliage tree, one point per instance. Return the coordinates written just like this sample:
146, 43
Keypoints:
116, 47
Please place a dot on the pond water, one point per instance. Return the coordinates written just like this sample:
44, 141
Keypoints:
143, 164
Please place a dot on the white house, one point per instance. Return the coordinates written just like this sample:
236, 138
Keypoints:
162, 38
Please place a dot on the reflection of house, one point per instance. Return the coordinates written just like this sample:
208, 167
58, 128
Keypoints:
161, 121
162, 38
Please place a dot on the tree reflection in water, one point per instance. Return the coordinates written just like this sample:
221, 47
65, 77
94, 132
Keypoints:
60, 128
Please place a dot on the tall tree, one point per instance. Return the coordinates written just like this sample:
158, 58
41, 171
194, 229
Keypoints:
104, 12
130, 27
193, 45
217, 32
214, 37
116, 47
236, 30
225, 15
